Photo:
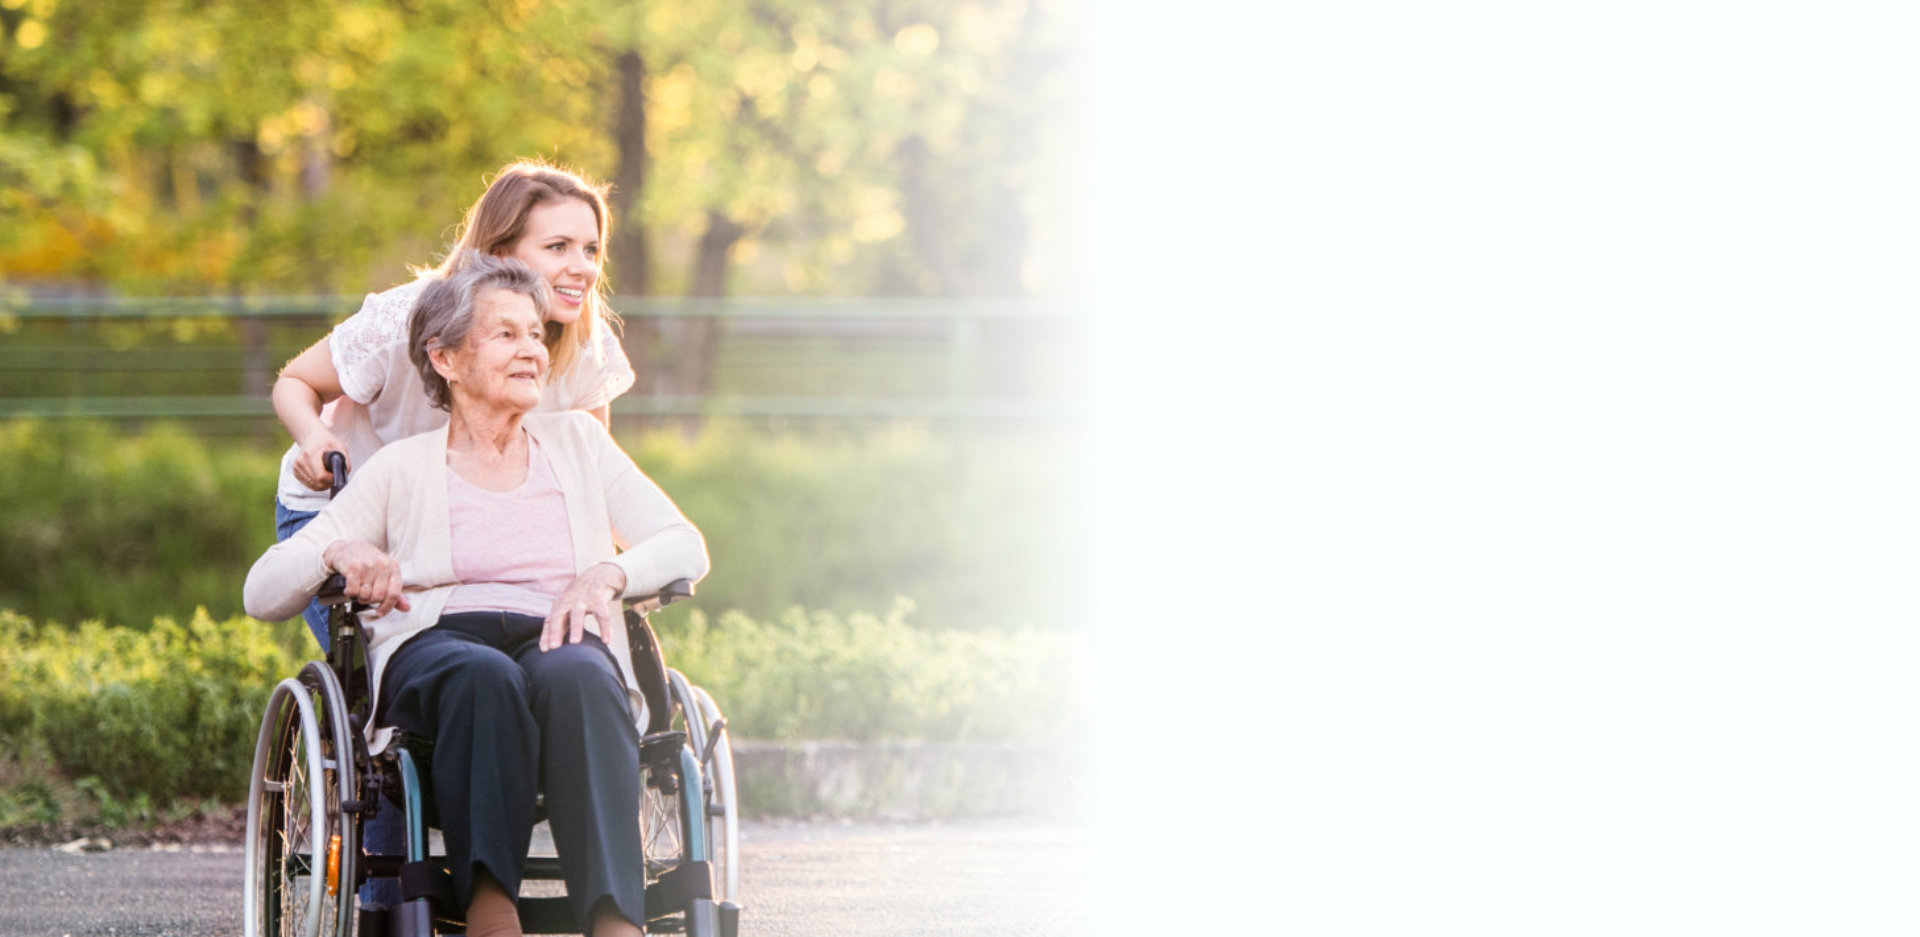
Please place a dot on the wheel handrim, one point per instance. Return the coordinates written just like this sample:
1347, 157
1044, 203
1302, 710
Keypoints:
721, 807
293, 820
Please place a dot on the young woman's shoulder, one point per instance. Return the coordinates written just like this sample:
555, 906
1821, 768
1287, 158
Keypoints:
383, 315
362, 343
600, 371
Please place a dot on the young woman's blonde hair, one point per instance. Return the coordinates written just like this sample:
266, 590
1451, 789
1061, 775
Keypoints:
496, 222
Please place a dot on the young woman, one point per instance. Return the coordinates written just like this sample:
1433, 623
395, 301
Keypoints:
355, 390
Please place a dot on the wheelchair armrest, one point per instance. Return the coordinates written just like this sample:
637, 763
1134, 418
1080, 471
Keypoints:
333, 591
670, 593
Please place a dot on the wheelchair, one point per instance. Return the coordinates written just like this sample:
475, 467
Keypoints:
314, 786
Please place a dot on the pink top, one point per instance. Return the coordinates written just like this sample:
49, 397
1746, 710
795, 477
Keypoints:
512, 550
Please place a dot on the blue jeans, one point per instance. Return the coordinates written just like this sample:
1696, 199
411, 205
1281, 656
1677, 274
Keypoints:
387, 833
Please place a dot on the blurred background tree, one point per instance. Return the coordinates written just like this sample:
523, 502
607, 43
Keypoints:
900, 147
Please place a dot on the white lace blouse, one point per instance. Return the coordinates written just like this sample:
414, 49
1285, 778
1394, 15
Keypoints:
386, 400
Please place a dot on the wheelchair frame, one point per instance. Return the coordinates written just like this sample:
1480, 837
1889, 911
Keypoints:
314, 785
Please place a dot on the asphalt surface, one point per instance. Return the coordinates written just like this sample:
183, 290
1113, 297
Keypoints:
797, 880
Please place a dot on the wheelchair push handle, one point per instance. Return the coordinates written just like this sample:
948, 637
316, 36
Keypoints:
333, 591
336, 463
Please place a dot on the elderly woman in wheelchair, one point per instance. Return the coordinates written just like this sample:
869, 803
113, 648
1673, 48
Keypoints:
488, 558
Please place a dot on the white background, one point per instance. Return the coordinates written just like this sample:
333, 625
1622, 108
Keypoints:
1508, 466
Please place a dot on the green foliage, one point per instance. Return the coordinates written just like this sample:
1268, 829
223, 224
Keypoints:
138, 716
979, 530
126, 527
816, 675
132, 725
271, 146
29, 802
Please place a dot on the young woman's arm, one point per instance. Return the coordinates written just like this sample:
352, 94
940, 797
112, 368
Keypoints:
306, 384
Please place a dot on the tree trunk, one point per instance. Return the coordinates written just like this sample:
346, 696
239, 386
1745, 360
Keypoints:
699, 342
627, 235
252, 165
710, 268
926, 217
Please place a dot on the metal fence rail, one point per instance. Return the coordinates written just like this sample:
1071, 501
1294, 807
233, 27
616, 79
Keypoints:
210, 359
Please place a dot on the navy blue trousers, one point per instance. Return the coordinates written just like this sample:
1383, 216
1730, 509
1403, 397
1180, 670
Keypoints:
507, 721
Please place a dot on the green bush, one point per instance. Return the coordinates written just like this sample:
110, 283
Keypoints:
134, 723
862, 677
979, 529
124, 528
162, 713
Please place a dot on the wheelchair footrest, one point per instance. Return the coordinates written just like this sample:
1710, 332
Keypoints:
429, 880
677, 887
409, 919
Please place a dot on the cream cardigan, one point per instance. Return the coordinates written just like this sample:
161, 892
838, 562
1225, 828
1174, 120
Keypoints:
397, 501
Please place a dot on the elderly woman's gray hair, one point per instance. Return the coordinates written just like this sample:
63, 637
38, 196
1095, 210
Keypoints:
443, 315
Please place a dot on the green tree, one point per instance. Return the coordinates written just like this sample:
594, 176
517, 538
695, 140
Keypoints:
774, 146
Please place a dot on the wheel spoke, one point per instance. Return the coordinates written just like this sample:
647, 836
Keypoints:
294, 813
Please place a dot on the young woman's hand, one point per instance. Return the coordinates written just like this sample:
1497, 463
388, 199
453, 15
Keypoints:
373, 577
310, 466
593, 594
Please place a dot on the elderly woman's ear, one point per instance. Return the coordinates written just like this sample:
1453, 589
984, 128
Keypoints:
442, 358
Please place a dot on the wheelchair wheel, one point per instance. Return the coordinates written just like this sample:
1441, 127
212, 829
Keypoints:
662, 831
723, 813
301, 847
688, 711
660, 837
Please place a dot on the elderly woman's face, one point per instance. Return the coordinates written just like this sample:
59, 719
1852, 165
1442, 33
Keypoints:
562, 244
503, 359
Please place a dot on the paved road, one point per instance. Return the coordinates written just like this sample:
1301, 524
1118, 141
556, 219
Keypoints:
798, 880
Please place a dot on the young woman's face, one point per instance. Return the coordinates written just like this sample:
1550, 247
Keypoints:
562, 244
500, 365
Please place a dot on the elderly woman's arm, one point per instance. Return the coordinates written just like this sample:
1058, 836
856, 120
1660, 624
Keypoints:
658, 543
658, 546
349, 536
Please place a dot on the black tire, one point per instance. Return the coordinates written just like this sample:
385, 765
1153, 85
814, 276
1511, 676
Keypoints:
722, 803
302, 769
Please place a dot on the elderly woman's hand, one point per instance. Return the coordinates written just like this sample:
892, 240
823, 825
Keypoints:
593, 594
373, 577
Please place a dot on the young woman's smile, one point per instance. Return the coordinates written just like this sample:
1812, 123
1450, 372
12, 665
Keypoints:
562, 244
